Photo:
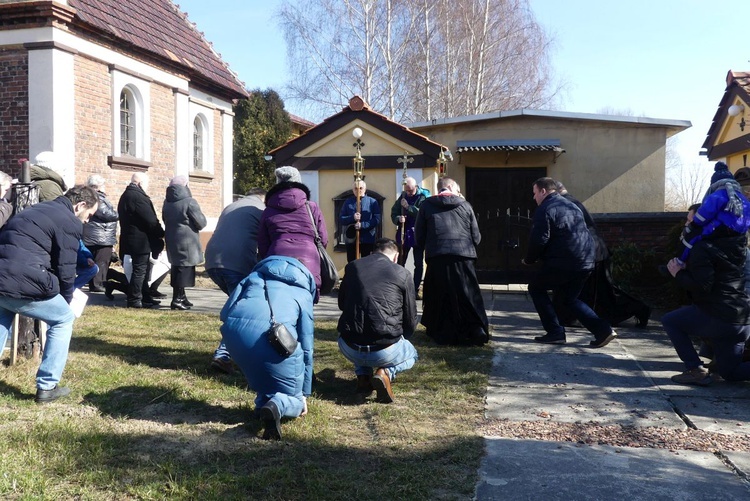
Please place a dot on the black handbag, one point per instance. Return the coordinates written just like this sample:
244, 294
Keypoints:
278, 335
329, 275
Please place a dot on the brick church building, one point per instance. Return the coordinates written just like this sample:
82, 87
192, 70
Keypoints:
114, 87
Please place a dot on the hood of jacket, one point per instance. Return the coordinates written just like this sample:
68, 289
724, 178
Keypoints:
287, 196
288, 270
177, 192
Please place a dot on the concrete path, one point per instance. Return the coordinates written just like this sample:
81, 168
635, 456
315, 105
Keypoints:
625, 383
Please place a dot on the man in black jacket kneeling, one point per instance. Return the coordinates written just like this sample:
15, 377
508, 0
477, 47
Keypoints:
379, 309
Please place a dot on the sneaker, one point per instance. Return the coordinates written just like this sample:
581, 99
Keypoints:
224, 365
601, 343
699, 376
271, 417
551, 339
47, 396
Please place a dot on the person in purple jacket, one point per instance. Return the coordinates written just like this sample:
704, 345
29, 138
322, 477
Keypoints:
285, 226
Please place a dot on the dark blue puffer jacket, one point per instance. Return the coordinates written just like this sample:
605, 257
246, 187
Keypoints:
559, 237
247, 318
38, 251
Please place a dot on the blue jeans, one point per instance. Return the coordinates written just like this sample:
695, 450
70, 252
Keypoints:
727, 341
289, 405
567, 286
84, 274
56, 313
227, 280
398, 357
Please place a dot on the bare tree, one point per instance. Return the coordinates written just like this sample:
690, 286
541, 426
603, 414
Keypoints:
686, 185
417, 59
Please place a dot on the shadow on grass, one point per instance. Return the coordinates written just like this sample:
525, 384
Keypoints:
13, 391
163, 405
157, 357
235, 466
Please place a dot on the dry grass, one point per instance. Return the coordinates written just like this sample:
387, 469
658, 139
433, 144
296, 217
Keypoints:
147, 419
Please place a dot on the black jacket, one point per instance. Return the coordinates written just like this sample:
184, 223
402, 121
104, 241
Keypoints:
446, 226
140, 230
102, 226
559, 237
376, 297
715, 277
38, 250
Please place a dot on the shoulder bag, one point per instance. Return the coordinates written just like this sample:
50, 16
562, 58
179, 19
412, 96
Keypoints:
329, 275
278, 335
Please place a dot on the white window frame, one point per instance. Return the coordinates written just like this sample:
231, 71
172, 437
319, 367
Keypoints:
205, 164
205, 115
140, 91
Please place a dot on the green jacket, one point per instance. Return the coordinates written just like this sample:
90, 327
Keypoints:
51, 184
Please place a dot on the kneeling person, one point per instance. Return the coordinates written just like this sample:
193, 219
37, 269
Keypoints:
379, 309
279, 289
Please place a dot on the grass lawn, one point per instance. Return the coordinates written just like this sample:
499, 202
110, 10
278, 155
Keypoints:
148, 419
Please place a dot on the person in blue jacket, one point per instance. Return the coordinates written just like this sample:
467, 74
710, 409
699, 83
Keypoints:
282, 384
366, 221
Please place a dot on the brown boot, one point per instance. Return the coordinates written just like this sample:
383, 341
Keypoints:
364, 384
382, 384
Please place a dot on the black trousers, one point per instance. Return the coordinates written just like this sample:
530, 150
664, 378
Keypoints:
102, 255
138, 287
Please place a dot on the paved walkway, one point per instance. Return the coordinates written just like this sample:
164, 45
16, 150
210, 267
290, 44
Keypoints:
625, 383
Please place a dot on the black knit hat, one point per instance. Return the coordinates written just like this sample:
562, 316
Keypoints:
721, 171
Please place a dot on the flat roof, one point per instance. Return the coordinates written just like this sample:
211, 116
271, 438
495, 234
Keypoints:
566, 115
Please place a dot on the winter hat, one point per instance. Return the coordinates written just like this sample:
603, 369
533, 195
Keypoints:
287, 173
179, 181
45, 159
721, 171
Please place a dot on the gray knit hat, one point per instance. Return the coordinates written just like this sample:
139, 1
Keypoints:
287, 173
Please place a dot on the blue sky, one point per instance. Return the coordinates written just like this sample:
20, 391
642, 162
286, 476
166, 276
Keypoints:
656, 58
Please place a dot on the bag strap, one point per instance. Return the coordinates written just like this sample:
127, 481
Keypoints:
312, 221
265, 291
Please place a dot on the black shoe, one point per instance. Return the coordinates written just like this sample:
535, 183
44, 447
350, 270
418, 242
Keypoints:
602, 342
186, 302
150, 302
271, 417
550, 339
478, 337
158, 295
93, 288
47, 396
643, 317
139, 304
178, 305
108, 291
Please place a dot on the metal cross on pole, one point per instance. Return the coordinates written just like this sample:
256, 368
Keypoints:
359, 167
406, 160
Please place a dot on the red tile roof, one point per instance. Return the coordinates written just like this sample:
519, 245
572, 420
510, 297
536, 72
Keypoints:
160, 28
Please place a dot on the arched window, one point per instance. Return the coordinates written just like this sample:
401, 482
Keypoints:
199, 134
128, 122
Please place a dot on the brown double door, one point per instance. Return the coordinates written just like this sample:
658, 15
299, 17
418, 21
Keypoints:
503, 204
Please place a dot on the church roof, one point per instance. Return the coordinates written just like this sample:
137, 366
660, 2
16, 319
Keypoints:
153, 30
161, 29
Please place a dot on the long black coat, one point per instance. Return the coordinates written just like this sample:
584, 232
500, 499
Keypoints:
38, 250
446, 226
102, 226
376, 297
140, 230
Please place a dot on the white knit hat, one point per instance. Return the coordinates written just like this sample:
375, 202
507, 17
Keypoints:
45, 159
287, 173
